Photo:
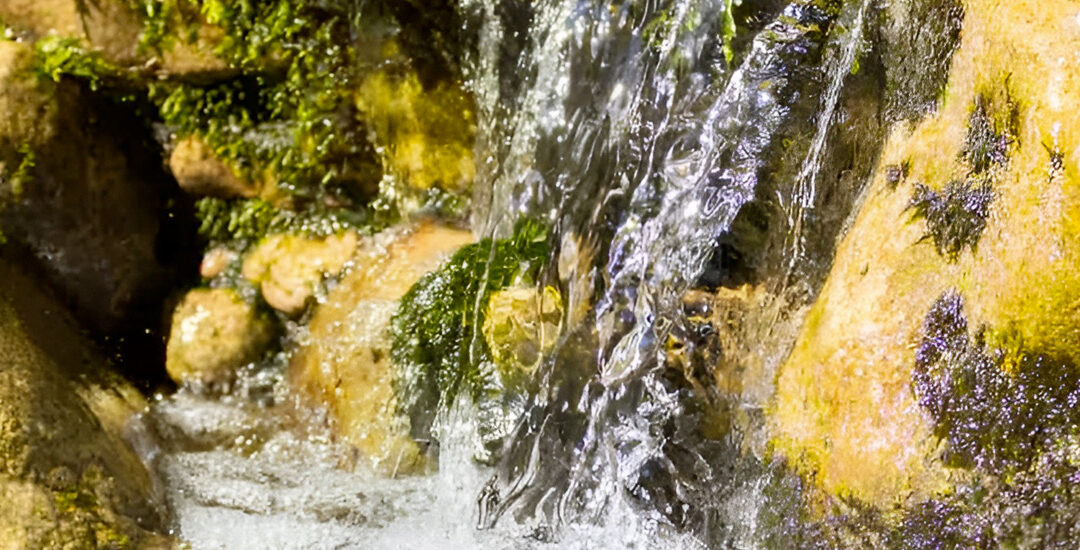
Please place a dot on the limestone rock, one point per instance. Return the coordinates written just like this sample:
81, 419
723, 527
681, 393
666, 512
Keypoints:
289, 268
68, 478
344, 364
201, 173
978, 201
213, 333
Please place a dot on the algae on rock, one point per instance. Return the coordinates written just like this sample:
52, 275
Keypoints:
68, 477
845, 410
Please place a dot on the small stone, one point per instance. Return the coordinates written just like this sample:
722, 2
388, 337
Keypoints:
213, 333
215, 261
200, 172
289, 268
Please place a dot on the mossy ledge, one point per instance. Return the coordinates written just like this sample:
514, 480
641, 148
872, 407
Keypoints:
438, 350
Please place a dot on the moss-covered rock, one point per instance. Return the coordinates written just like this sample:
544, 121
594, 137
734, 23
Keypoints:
68, 478
289, 268
426, 135
440, 353
214, 332
980, 200
116, 29
344, 362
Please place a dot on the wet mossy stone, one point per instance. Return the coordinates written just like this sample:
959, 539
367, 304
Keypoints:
68, 476
997, 405
345, 363
438, 349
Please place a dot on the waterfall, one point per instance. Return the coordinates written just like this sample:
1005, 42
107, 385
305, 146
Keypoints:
626, 128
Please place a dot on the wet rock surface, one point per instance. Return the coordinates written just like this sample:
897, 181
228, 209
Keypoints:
343, 363
68, 477
977, 202
214, 333
289, 269
72, 163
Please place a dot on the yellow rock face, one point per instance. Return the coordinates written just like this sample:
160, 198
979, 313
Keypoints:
520, 326
344, 363
844, 409
213, 333
199, 172
289, 268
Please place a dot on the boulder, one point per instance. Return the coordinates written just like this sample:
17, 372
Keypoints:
68, 477
964, 250
344, 363
71, 164
214, 332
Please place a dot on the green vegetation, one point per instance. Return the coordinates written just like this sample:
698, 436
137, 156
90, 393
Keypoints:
298, 114
23, 172
437, 348
727, 30
57, 57
289, 116
223, 220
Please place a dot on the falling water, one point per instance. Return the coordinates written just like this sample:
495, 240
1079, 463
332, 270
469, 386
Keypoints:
650, 144
638, 134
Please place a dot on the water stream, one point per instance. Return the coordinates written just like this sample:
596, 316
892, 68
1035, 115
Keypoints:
626, 128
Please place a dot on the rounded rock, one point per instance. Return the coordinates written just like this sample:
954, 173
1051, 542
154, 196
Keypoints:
213, 333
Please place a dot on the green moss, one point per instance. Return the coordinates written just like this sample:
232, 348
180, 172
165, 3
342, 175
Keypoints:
23, 172
438, 349
57, 57
224, 220
989, 137
727, 29
289, 117
82, 520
